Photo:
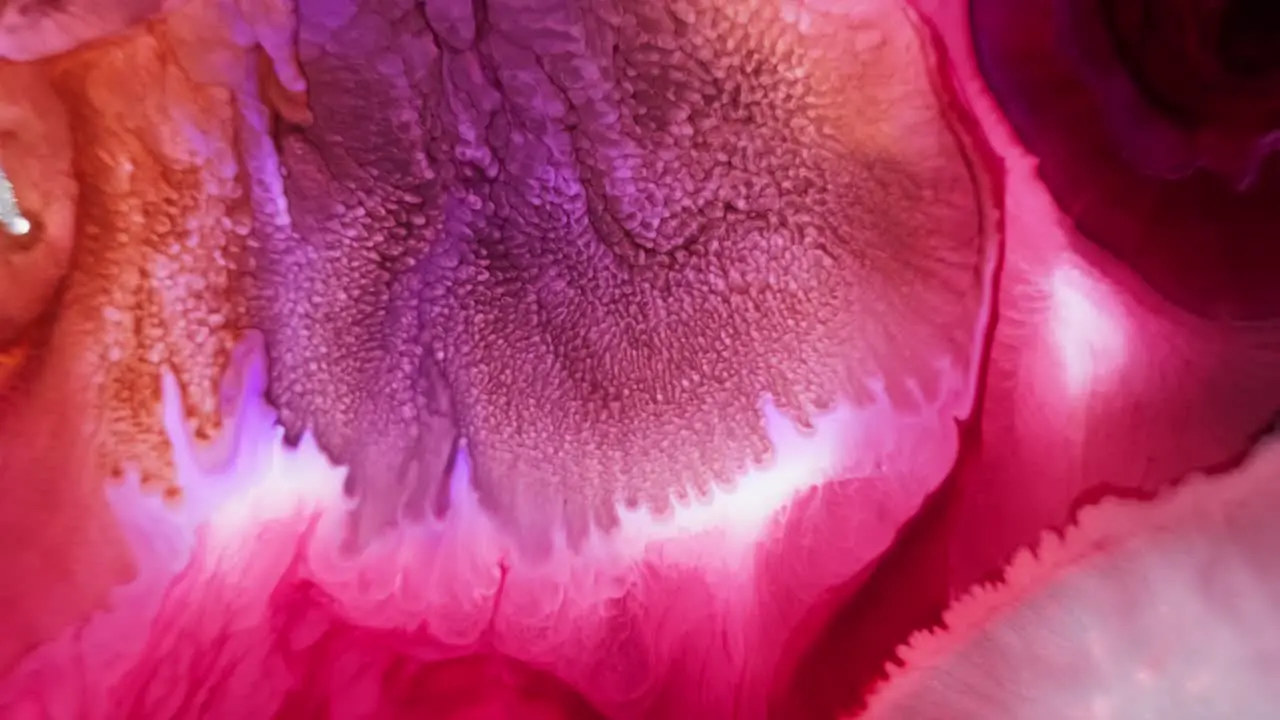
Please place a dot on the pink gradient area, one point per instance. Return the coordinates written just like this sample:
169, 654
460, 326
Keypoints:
1093, 382
249, 604
1161, 608
1093, 385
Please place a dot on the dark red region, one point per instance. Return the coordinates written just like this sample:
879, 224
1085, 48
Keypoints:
1182, 195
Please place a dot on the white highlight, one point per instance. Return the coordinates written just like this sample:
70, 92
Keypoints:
18, 225
802, 459
10, 216
1087, 323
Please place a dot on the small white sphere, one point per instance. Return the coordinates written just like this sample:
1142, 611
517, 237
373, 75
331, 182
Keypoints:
18, 225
